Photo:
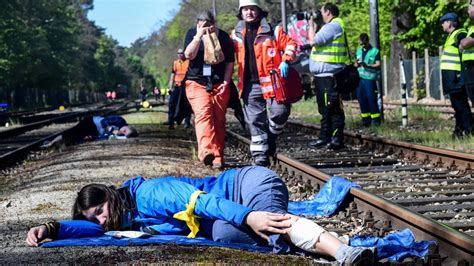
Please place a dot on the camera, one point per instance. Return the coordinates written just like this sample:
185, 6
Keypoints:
306, 15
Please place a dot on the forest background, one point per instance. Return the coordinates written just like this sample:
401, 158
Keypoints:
51, 53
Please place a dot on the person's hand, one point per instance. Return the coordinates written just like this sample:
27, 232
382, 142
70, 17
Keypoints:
201, 29
36, 235
221, 88
267, 223
284, 68
364, 64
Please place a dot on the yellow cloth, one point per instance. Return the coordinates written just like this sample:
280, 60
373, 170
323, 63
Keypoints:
188, 215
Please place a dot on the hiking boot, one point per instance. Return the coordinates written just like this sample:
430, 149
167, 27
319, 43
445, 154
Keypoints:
262, 161
317, 144
335, 145
208, 158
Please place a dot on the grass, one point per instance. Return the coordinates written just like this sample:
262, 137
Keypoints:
425, 125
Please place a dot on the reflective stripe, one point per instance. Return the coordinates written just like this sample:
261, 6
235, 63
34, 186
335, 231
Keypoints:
256, 147
259, 138
375, 115
451, 62
265, 79
188, 215
365, 115
275, 125
468, 52
330, 53
450, 54
267, 89
275, 131
334, 132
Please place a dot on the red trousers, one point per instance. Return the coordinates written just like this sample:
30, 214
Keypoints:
209, 118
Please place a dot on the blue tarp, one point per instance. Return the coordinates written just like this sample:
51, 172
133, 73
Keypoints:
395, 246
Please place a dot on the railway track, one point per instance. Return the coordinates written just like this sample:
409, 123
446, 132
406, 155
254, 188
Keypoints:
403, 186
16, 143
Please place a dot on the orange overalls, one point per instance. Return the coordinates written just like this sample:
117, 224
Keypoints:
180, 67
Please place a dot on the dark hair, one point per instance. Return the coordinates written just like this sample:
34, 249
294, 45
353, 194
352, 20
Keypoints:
133, 132
207, 16
332, 8
364, 38
95, 195
455, 23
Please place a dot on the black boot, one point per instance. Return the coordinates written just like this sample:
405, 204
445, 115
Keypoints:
317, 144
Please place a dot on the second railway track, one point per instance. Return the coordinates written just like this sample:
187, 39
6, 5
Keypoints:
403, 185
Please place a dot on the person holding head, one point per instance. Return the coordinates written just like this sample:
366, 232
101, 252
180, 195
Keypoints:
247, 205
207, 89
368, 63
261, 49
94, 128
176, 84
467, 48
451, 67
329, 56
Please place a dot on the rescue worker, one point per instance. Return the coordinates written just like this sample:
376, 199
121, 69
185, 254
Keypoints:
207, 89
253, 213
260, 49
368, 63
176, 84
467, 48
329, 56
451, 74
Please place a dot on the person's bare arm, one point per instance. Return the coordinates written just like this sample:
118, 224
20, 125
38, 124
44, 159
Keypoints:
170, 84
311, 30
229, 68
466, 43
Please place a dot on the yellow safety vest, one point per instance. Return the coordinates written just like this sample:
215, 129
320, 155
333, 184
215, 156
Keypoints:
450, 59
333, 52
468, 54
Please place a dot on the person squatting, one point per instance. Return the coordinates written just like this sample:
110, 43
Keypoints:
246, 205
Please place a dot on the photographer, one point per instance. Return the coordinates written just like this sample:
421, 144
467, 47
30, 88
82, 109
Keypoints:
207, 87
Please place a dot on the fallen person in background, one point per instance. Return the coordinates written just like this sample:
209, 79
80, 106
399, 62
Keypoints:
247, 205
95, 128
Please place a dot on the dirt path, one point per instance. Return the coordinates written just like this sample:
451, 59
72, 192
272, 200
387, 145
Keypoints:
43, 189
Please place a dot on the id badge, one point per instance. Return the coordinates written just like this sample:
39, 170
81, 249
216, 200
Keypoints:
206, 70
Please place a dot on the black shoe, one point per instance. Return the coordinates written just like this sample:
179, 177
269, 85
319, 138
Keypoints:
262, 161
317, 144
335, 145
208, 158
168, 123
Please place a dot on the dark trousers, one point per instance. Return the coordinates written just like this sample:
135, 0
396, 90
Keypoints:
462, 112
331, 110
369, 108
77, 134
172, 103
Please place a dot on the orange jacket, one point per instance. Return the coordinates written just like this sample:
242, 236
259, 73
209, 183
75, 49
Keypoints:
180, 67
270, 49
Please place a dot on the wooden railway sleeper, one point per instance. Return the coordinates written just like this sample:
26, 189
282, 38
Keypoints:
433, 258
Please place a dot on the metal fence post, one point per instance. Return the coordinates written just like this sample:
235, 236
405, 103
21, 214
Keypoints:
404, 96
414, 84
427, 73
441, 93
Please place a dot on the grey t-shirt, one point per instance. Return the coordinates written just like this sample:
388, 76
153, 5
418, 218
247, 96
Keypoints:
328, 33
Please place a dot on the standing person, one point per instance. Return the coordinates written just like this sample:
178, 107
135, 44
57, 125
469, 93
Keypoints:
207, 89
260, 49
143, 93
451, 74
368, 62
176, 84
467, 48
156, 93
254, 213
329, 56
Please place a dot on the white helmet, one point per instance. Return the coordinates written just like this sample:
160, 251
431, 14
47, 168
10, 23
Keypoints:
243, 3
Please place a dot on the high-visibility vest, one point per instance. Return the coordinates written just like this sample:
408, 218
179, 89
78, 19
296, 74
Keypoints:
468, 54
450, 59
369, 59
333, 52
180, 67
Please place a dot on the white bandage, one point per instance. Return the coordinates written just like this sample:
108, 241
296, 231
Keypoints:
305, 234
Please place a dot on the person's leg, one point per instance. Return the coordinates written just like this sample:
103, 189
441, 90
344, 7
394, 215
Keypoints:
363, 102
372, 102
172, 103
336, 117
220, 107
278, 115
257, 120
462, 112
201, 103
322, 85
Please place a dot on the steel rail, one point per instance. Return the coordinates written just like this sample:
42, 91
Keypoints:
449, 159
451, 242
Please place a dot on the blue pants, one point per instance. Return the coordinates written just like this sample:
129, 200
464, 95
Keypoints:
262, 190
172, 103
369, 109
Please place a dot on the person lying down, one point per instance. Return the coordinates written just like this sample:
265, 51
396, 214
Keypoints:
245, 205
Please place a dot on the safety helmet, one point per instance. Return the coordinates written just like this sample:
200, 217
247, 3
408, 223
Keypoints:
243, 3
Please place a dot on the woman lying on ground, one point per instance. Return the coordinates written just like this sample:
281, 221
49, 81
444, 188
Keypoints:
95, 127
246, 205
